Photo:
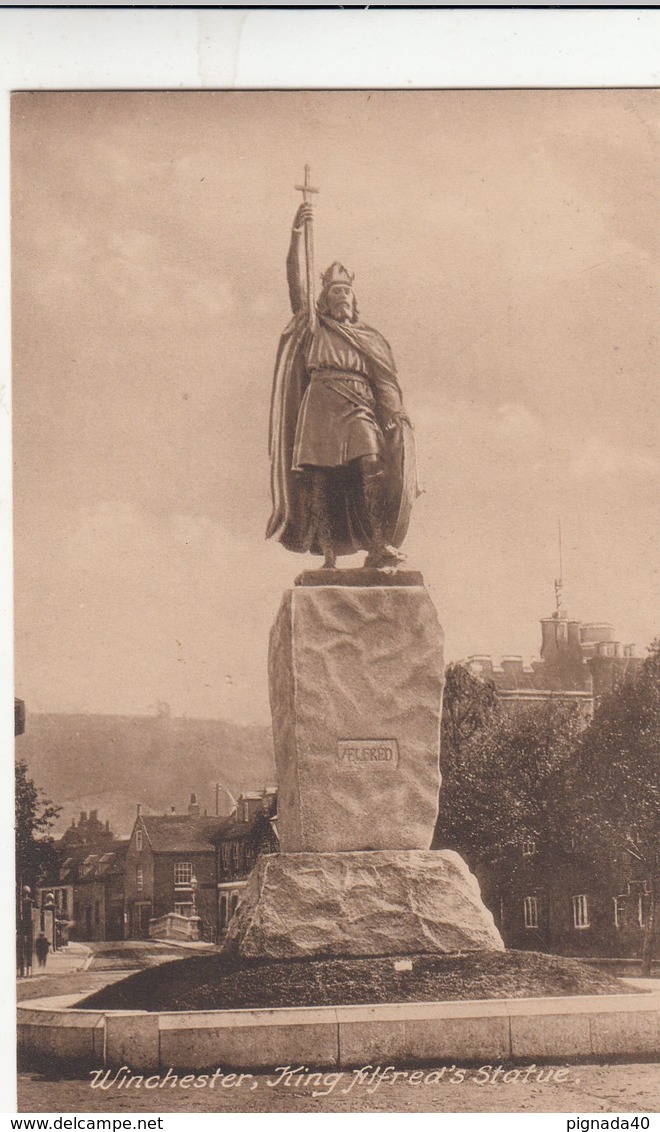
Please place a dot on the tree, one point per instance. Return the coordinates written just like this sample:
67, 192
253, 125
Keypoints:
35, 814
468, 706
616, 776
505, 771
468, 711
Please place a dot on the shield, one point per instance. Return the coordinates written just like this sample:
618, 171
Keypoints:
403, 486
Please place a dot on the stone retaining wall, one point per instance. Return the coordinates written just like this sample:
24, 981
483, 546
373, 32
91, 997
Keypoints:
343, 1037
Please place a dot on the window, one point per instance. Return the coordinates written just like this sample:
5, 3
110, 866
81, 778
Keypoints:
234, 904
619, 911
529, 847
183, 872
246, 811
642, 909
89, 864
226, 848
236, 855
139, 878
580, 912
183, 909
223, 912
138, 840
531, 910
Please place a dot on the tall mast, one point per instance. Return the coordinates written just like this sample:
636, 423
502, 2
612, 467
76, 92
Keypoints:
559, 582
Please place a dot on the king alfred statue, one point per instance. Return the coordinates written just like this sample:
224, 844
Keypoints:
342, 456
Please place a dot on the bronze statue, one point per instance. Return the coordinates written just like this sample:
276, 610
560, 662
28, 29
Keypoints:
342, 457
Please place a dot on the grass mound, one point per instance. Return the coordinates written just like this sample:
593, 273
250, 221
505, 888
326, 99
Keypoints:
211, 982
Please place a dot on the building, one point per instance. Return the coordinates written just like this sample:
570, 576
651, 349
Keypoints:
171, 872
249, 833
568, 903
185, 872
88, 889
579, 662
88, 831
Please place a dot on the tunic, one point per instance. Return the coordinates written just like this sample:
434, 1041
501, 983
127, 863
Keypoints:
337, 421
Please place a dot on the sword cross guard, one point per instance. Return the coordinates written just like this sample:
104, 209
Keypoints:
306, 188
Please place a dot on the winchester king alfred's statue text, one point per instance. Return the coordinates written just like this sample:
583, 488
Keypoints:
343, 475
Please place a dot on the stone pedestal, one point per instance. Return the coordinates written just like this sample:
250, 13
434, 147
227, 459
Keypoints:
305, 905
356, 676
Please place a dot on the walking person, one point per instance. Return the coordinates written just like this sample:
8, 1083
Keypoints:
41, 947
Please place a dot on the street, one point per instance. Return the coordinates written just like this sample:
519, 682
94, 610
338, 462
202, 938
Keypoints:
85, 968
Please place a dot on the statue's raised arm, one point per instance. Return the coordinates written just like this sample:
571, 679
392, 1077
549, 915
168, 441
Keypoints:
293, 272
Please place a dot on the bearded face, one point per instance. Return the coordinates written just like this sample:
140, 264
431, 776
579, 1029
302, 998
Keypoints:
341, 302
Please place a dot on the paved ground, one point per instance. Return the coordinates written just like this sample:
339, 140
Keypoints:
583, 1088
80, 968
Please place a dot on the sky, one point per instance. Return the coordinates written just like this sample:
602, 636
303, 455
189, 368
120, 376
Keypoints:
506, 245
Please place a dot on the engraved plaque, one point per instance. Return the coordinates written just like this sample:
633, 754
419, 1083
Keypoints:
367, 753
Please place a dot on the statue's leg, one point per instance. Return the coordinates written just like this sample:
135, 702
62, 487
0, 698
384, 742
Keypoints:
372, 475
321, 518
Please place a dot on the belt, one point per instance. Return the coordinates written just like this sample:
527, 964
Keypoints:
338, 375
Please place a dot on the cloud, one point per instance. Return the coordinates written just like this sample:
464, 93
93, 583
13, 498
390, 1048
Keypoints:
471, 436
515, 424
600, 458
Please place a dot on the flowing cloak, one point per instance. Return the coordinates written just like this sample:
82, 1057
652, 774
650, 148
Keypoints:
291, 522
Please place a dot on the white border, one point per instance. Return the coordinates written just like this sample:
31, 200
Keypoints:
262, 48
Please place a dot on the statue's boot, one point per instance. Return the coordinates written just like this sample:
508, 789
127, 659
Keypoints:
321, 522
381, 555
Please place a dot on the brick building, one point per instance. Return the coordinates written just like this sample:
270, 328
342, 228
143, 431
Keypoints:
171, 868
180, 866
568, 903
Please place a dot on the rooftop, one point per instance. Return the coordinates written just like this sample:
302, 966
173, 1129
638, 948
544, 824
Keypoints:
177, 833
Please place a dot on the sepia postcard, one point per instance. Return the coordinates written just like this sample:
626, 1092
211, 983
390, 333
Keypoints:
337, 667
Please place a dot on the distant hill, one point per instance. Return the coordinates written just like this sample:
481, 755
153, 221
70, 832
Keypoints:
112, 762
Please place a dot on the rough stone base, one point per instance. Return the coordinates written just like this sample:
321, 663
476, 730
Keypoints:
389, 902
356, 676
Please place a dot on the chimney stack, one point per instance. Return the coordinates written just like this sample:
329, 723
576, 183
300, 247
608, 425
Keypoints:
194, 807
